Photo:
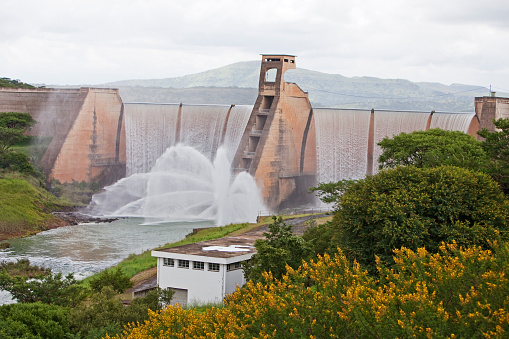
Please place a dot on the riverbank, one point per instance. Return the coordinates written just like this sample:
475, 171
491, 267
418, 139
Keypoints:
26, 206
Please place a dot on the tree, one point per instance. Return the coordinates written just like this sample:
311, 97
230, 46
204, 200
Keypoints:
432, 148
116, 279
7, 82
496, 146
45, 288
35, 320
279, 248
319, 237
331, 192
12, 128
104, 312
418, 207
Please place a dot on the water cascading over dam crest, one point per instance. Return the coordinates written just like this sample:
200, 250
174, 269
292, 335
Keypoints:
346, 139
281, 141
179, 158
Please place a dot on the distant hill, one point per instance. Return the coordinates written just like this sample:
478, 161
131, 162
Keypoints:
237, 84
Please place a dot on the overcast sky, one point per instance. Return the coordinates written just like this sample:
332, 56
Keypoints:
92, 42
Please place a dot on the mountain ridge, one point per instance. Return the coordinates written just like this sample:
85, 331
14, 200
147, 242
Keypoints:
237, 84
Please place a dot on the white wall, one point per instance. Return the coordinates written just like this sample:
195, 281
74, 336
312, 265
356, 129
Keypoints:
203, 286
234, 278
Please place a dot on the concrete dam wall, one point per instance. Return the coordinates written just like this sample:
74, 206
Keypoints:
284, 143
85, 126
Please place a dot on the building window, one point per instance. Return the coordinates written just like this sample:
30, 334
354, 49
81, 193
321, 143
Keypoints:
234, 266
183, 263
198, 265
168, 262
214, 267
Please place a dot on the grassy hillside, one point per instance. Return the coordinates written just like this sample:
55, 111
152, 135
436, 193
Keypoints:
25, 206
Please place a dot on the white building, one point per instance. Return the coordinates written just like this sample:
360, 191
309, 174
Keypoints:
203, 272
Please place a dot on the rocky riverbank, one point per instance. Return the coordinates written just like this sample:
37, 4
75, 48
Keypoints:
75, 218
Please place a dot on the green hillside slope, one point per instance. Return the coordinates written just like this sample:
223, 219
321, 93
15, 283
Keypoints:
25, 207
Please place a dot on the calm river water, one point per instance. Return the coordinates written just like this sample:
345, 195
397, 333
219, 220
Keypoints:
88, 248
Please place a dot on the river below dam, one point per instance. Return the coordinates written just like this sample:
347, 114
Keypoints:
89, 248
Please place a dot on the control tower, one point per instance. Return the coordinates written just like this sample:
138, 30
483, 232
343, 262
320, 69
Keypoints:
279, 146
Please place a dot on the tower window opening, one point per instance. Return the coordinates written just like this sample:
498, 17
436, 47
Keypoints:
292, 61
270, 75
286, 60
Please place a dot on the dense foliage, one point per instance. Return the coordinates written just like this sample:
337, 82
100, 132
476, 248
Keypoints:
432, 148
116, 279
418, 207
496, 146
12, 128
104, 312
53, 306
46, 288
457, 293
35, 320
22, 268
279, 249
12, 131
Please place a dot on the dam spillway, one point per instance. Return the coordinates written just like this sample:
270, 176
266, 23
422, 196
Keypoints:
346, 140
152, 128
281, 141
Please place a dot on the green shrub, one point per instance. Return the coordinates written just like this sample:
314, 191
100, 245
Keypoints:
279, 249
418, 207
35, 320
46, 288
23, 268
432, 148
17, 162
116, 279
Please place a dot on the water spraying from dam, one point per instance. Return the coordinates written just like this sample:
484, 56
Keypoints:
188, 180
150, 129
184, 185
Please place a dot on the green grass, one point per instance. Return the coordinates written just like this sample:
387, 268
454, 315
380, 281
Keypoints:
202, 308
25, 205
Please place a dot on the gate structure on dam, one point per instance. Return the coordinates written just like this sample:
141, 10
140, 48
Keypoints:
279, 146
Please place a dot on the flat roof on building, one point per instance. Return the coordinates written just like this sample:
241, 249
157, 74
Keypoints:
228, 247
288, 55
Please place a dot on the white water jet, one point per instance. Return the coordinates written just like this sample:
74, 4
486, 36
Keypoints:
183, 185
